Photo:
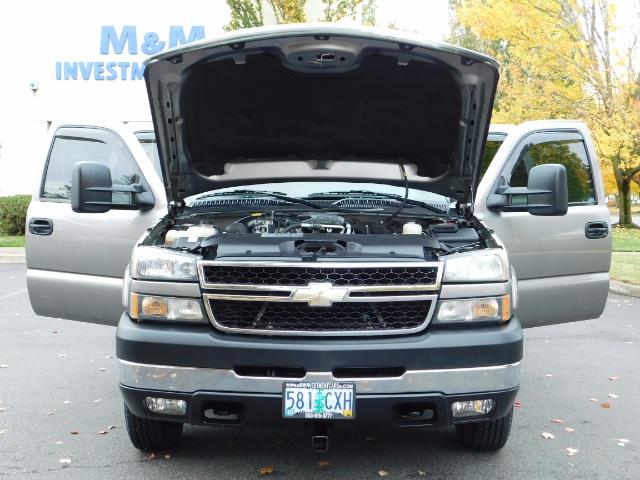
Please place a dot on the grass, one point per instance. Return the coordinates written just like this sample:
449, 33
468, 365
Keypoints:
625, 264
625, 267
634, 209
11, 240
626, 240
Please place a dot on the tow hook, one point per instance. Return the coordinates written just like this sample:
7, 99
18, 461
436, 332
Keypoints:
320, 438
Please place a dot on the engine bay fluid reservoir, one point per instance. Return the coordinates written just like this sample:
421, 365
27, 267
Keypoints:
411, 228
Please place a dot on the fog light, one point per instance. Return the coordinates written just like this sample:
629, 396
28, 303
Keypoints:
167, 406
472, 407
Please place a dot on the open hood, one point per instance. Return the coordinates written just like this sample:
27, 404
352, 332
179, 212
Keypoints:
320, 103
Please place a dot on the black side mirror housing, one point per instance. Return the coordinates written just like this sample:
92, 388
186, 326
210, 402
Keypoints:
92, 191
546, 193
552, 180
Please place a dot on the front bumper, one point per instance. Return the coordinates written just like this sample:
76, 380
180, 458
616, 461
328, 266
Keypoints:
200, 365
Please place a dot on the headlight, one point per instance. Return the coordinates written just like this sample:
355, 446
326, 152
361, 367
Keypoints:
153, 307
152, 263
488, 265
488, 309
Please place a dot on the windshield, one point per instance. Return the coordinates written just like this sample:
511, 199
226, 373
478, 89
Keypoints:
305, 189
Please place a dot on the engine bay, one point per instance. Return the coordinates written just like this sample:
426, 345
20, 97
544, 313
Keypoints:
312, 234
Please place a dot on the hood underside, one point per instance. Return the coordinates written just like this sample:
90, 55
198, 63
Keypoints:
320, 103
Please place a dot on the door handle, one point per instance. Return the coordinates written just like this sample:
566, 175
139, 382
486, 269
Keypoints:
596, 229
41, 226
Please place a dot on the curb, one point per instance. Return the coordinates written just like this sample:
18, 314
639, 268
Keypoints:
12, 255
623, 288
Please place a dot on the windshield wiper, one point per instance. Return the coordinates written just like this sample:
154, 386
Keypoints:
260, 193
369, 193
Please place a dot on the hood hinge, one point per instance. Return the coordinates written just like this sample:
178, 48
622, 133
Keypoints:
175, 209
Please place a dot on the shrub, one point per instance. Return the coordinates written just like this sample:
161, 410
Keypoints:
13, 214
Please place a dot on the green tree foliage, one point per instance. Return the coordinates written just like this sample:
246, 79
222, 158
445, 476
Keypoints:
244, 14
289, 11
335, 10
369, 13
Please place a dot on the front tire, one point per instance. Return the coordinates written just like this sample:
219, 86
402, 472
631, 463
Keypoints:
151, 435
485, 436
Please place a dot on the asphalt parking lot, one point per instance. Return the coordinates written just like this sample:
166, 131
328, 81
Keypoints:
58, 391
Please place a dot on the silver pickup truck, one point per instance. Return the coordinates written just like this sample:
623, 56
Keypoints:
320, 228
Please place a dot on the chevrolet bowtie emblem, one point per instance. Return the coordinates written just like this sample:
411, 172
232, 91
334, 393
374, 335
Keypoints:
320, 294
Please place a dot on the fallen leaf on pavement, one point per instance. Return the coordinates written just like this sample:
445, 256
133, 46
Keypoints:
74, 432
613, 379
65, 462
102, 432
323, 464
517, 404
572, 451
605, 405
613, 395
548, 436
51, 413
594, 399
267, 470
111, 427
569, 430
382, 473
557, 420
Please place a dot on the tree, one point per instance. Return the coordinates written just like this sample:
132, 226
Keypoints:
244, 14
335, 10
289, 11
369, 13
559, 61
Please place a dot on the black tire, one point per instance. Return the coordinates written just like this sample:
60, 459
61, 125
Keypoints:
151, 435
485, 436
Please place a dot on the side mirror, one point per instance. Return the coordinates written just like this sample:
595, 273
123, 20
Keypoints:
92, 191
550, 181
546, 193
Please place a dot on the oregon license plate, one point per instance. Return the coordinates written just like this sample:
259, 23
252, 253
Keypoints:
323, 401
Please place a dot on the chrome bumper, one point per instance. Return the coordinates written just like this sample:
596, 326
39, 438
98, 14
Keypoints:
447, 381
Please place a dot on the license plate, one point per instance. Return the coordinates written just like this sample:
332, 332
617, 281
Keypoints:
322, 401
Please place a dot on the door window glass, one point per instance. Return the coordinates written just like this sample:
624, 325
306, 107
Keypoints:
105, 148
570, 153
